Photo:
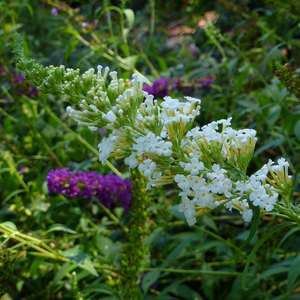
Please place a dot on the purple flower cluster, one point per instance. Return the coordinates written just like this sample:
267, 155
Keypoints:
193, 85
159, 88
107, 189
164, 86
18, 83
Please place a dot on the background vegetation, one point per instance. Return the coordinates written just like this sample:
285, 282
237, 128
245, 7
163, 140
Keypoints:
240, 58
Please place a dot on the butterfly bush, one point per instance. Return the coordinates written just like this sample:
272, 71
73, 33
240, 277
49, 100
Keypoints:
207, 163
107, 189
165, 85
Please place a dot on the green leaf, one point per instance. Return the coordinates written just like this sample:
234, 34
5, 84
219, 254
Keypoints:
153, 237
162, 63
185, 292
125, 33
19, 285
130, 61
14, 193
235, 290
29, 7
174, 254
269, 56
240, 80
254, 224
35, 264
129, 16
5, 170
272, 144
269, 273
244, 235
274, 115
208, 282
289, 121
105, 244
294, 272
209, 245
149, 279
110, 297
291, 297
297, 130
10, 225
70, 49
209, 222
65, 268
80, 259
98, 288
290, 232
257, 246
61, 227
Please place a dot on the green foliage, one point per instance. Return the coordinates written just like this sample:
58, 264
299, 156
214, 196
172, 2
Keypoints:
52, 247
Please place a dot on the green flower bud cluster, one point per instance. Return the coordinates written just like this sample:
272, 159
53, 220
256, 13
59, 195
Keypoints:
135, 255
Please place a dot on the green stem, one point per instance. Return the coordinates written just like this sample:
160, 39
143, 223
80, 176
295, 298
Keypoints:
124, 37
16, 234
49, 256
53, 156
8, 115
152, 23
7, 157
153, 70
290, 214
113, 217
110, 28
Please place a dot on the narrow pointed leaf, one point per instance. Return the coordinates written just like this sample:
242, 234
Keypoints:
257, 246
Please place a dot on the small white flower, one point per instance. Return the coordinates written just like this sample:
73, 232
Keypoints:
131, 161
215, 186
170, 103
257, 197
147, 167
196, 182
218, 172
246, 212
106, 147
188, 208
110, 116
203, 194
182, 182
195, 166
226, 187
163, 147
269, 202
234, 203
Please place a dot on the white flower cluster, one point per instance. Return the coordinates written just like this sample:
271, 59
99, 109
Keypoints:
207, 163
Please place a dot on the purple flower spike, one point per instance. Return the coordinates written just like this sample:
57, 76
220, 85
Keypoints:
148, 89
108, 189
207, 82
18, 79
160, 87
